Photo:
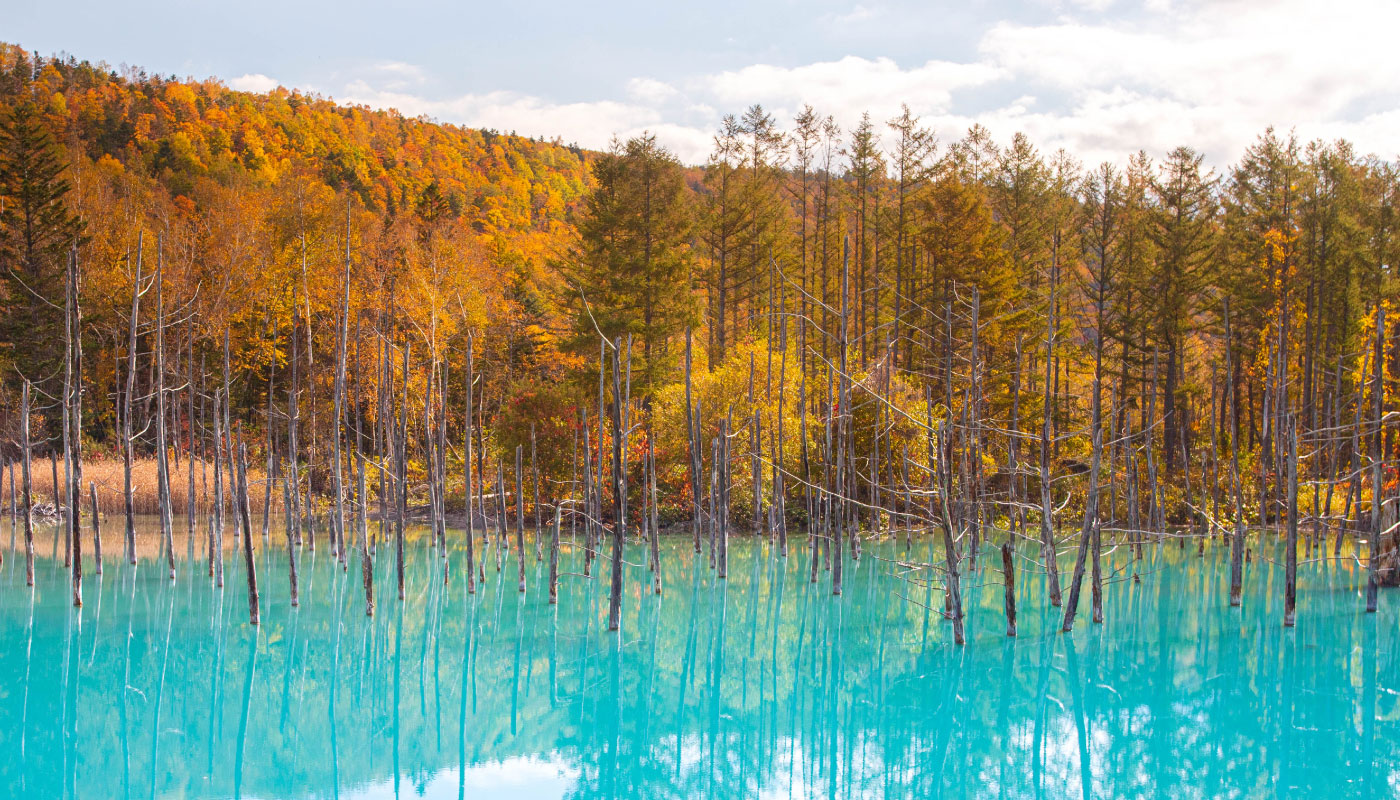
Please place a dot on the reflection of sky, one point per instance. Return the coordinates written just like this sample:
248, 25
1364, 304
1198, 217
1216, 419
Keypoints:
764, 685
509, 779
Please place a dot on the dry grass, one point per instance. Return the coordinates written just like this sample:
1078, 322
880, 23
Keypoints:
109, 479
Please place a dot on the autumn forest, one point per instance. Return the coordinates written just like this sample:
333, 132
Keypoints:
820, 333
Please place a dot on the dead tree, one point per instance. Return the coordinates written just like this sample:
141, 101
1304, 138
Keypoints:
1237, 538
128, 441
73, 421
467, 467
1377, 408
162, 465
520, 514
1290, 570
96, 529
245, 519
1008, 573
28, 490
619, 490
1047, 516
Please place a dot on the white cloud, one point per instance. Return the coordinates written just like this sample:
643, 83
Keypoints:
848, 86
397, 75
859, 13
1212, 75
1209, 74
591, 124
648, 90
1094, 5
253, 82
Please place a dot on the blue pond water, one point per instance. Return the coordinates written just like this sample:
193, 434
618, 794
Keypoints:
763, 685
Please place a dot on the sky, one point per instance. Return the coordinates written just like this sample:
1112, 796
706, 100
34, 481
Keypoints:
1100, 78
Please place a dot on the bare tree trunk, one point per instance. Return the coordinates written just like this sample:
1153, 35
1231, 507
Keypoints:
1237, 539
590, 517
1017, 517
554, 557
520, 513
1377, 489
96, 528
467, 467
619, 489
842, 420
337, 426
246, 518
73, 423
950, 548
1047, 520
655, 524
293, 475
776, 449
227, 442
366, 562
756, 462
269, 469
725, 481
127, 440
402, 476
1290, 570
535, 497
1090, 527
29, 488
218, 553
190, 524
292, 579
1008, 572
162, 467
501, 537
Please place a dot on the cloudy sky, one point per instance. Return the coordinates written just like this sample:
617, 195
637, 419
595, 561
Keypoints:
1101, 78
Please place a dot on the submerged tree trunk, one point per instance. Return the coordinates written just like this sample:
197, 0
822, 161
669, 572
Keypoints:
950, 548
162, 468
243, 512
127, 436
218, 551
655, 519
28, 488
1290, 570
73, 423
467, 467
615, 589
520, 514
291, 542
366, 561
1047, 520
96, 529
1237, 538
1008, 572
1377, 488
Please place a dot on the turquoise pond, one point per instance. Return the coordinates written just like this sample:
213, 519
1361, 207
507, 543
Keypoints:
763, 685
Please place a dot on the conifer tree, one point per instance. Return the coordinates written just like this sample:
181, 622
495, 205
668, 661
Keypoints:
36, 231
1184, 236
631, 271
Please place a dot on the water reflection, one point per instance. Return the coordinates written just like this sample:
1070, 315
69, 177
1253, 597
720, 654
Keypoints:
760, 685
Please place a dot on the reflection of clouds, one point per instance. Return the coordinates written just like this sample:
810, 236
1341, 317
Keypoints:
718, 690
516, 778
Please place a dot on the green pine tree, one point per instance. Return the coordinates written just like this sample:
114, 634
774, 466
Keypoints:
631, 272
36, 231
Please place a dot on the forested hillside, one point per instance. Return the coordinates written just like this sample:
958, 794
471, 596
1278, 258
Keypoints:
245, 200
854, 287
